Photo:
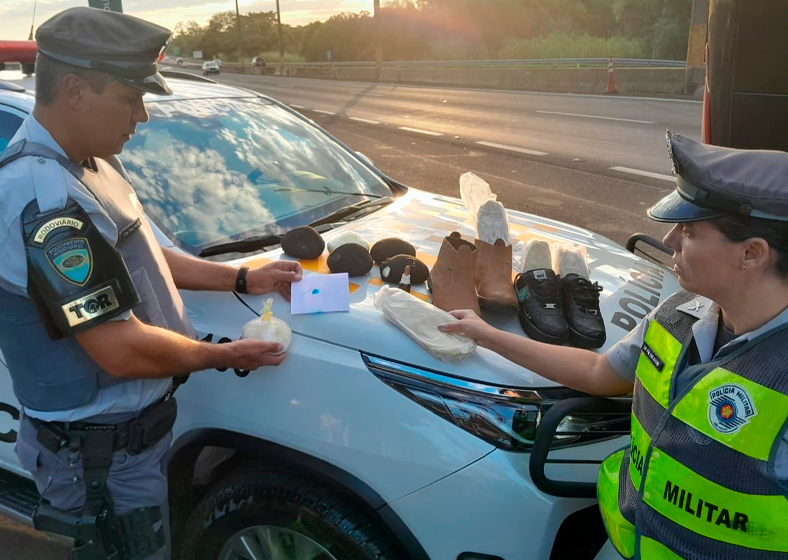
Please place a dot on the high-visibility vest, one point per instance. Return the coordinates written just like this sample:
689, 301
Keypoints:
698, 480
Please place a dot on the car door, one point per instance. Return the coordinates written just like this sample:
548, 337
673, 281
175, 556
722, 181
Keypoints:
10, 120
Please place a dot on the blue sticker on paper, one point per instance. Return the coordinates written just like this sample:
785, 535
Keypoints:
72, 260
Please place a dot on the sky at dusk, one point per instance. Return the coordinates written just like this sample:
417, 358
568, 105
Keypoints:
17, 15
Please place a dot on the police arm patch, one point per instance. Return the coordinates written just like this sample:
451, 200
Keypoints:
77, 278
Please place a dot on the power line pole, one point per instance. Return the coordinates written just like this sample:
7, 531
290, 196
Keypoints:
281, 44
378, 33
240, 35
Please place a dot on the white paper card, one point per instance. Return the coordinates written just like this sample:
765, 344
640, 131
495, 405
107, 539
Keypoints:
320, 293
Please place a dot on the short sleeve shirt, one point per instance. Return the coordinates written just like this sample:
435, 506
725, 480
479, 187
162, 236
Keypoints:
623, 356
30, 178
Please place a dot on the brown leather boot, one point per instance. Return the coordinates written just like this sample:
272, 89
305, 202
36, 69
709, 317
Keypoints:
451, 279
493, 276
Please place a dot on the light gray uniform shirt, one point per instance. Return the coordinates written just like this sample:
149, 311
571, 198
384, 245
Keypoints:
31, 178
623, 356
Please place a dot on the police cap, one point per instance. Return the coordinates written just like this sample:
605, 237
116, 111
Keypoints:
126, 47
712, 182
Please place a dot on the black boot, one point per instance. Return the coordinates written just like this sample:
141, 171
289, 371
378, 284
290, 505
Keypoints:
539, 304
581, 305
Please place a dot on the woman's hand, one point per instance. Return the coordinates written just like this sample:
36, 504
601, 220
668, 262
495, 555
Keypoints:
470, 325
276, 276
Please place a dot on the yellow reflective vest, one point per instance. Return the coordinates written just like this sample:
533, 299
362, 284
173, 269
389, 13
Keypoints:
698, 480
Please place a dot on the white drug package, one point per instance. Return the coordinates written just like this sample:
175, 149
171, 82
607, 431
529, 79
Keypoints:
268, 328
420, 320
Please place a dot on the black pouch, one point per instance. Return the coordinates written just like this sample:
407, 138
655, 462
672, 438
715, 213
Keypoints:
152, 425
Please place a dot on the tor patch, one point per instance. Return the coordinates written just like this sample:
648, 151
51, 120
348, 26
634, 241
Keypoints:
730, 408
72, 260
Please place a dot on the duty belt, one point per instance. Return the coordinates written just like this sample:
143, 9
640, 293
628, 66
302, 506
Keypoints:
128, 537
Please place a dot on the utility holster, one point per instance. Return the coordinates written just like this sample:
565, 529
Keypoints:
98, 533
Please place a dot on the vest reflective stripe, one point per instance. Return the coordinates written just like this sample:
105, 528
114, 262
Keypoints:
757, 436
620, 531
637, 453
712, 510
657, 360
649, 548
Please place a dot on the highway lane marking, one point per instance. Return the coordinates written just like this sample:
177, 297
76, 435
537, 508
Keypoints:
427, 132
512, 148
323, 112
298, 107
283, 86
359, 119
594, 117
642, 173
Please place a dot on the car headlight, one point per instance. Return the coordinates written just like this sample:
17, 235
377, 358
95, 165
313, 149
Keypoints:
505, 417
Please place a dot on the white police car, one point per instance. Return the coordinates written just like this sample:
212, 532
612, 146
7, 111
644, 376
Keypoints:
360, 445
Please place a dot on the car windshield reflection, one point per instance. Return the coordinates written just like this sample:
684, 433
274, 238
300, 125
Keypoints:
215, 170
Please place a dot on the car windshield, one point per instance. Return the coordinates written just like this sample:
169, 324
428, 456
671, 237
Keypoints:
210, 171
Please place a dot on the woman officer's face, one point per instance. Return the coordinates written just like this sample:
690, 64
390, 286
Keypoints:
705, 261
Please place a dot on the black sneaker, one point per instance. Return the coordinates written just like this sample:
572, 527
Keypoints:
539, 304
581, 305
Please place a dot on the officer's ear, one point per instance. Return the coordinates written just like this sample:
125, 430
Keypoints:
757, 254
72, 90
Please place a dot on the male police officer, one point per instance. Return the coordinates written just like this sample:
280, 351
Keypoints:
93, 328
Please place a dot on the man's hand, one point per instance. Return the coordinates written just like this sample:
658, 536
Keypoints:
252, 354
272, 277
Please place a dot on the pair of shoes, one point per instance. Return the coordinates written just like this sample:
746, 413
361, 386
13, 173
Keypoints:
560, 310
467, 275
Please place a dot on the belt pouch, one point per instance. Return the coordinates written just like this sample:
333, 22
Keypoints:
151, 426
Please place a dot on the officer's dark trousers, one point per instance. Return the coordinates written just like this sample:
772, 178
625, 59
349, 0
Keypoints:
134, 481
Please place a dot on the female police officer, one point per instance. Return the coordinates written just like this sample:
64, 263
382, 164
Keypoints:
705, 475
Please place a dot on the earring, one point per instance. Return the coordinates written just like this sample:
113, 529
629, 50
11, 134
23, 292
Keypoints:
744, 266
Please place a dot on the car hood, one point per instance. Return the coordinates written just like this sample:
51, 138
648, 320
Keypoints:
632, 287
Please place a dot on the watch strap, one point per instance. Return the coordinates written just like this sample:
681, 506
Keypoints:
240, 280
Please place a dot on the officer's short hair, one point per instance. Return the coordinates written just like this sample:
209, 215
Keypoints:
50, 74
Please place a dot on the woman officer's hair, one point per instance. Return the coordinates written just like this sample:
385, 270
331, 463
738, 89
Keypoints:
50, 74
775, 232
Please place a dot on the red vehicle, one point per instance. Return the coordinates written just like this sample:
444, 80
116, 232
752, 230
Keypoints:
23, 52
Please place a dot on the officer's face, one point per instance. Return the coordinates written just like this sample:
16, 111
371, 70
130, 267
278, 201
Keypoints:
114, 115
705, 261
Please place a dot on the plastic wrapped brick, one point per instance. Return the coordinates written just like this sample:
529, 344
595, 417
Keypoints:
419, 320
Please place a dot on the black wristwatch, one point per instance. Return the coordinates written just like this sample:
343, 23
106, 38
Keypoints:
240, 280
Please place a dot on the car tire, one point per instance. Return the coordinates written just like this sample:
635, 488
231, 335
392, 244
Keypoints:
266, 508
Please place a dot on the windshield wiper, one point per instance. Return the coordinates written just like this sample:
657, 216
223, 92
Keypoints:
245, 245
257, 242
327, 191
350, 209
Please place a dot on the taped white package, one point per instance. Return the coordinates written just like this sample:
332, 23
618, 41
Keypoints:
489, 215
570, 259
344, 238
419, 320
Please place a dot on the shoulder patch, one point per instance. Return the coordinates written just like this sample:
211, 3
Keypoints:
72, 259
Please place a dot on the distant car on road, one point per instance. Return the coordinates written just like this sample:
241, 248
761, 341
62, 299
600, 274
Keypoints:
210, 67
258, 61
217, 61
179, 61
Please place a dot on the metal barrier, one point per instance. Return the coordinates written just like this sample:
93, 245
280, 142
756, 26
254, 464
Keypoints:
619, 62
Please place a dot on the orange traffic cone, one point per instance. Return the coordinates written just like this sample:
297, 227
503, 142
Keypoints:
611, 81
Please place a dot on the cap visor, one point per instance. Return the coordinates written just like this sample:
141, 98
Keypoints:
151, 84
674, 209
